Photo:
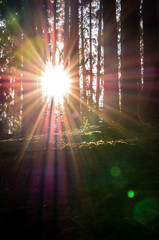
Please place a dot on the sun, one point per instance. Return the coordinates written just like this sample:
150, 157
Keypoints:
55, 82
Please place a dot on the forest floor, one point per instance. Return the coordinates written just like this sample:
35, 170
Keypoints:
98, 182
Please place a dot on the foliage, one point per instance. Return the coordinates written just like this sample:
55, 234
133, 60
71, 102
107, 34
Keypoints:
96, 204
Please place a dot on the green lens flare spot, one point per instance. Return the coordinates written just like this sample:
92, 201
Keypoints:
115, 171
146, 210
90, 133
131, 193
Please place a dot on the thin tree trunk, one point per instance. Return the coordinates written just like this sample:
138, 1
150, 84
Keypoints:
47, 32
111, 90
54, 35
74, 57
99, 55
84, 104
130, 59
83, 59
66, 34
25, 81
90, 43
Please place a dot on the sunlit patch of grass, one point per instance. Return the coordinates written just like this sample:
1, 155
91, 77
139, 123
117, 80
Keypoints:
81, 139
92, 132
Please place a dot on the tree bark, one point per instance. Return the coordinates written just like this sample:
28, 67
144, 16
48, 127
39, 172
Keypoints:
31, 91
83, 105
111, 90
82, 50
54, 35
99, 56
90, 44
66, 35
74, 57
130, 59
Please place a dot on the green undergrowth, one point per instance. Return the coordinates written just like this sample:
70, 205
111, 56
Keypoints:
91, 137
111, 181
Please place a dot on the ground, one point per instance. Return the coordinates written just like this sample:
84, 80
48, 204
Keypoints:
97, 182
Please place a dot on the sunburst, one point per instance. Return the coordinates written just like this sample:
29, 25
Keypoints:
55, 82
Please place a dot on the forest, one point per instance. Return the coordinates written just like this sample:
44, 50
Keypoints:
79, 119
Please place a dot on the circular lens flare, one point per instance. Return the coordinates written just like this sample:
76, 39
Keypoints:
131, 193
55, 82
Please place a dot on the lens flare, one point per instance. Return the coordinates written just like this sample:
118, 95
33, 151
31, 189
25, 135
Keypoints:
146, 210
115, 171
131, 194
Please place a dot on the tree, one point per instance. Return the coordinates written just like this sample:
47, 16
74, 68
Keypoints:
9, 30
99, 53
150, 96
32, 62
90, 45
82, 51
111, 90
130, 58
54, 35
74, 55
66, 34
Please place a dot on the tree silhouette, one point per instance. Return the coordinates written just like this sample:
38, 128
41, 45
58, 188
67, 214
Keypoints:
130, 58
66, 34
151, 60
99, 54
111, 90
74, 55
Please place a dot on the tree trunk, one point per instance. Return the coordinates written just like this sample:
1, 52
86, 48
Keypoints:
66, 34
90, 43
99, 55
74, 57
84, 102
130, 59
31, 97
83, 58
151, 62
54, 35
111, 91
